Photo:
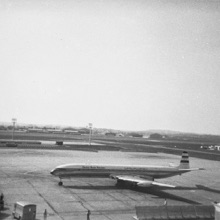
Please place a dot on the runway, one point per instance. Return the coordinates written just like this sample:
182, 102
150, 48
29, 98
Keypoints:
25, 176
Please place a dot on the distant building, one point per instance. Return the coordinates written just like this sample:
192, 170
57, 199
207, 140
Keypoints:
84, 131
120, 135
3, 127
55, 131
217, 147
137, 135
35, 130
110, 134
71, 132
156, 136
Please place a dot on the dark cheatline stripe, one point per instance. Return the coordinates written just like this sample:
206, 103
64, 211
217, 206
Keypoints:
185, 157
155, 173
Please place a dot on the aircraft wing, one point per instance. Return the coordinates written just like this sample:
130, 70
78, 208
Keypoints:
142, 182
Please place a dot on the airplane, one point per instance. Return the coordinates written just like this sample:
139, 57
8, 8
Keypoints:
135, 175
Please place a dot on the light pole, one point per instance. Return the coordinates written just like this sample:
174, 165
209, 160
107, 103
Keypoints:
13, 121
90, 133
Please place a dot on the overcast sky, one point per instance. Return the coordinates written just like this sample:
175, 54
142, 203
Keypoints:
121, 64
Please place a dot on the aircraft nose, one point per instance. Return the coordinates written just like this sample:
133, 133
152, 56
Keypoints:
52, 172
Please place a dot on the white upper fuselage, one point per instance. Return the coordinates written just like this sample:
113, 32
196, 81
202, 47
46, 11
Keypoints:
85, 170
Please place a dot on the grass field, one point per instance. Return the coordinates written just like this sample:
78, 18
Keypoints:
101, 142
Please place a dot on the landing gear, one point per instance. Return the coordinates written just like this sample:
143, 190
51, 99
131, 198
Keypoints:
120, 183
126, 185
133, 186
60, 183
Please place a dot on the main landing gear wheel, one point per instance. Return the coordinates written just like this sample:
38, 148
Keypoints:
120, 183
133, 186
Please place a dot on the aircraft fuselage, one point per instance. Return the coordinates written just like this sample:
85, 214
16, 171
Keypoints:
108, 170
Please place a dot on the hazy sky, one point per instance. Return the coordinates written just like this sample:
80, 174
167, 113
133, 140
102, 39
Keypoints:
123, 64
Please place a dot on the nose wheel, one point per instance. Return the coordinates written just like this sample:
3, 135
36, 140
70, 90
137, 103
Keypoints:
60, 183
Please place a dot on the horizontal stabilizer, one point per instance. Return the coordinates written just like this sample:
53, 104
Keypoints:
192, 169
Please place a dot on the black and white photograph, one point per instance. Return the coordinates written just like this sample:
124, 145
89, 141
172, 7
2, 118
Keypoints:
109, 109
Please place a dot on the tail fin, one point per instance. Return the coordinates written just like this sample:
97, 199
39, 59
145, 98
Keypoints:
184, 163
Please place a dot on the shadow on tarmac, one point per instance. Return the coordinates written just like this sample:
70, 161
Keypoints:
155, 191
201, 187
4, 215
184, 188
92, 187
165, 195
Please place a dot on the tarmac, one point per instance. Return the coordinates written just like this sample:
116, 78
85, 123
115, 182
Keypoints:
25, 176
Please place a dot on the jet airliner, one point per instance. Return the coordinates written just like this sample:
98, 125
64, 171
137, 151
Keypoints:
136, 175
